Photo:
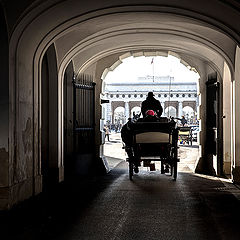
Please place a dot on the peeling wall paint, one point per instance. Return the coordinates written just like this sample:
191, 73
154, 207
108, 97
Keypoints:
22, 165
26, 136
27, 139
227, 157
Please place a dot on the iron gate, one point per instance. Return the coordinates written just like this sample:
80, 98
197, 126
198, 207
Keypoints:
83, 114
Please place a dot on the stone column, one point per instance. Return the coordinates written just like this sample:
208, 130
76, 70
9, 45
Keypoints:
180, 112
126, 111
227, 84
108, 113
236, 119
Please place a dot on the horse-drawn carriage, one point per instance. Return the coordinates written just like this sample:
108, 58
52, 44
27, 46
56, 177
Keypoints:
152, 141
185, 135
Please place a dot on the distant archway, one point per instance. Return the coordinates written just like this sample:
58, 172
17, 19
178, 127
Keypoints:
189, 114
171, 111
119, 115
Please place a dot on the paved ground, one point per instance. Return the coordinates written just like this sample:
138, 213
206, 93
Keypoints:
152, 206
115, 154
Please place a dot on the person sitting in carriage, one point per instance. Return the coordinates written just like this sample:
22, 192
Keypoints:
153, 104
151, 110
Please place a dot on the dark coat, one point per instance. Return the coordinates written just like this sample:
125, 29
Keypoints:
151, 104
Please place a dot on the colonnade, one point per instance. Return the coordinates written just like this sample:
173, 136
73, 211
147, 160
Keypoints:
127, 108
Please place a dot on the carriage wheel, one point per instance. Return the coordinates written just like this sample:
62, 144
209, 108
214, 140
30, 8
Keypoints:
175, 170
162, 168
130, 170
172, 168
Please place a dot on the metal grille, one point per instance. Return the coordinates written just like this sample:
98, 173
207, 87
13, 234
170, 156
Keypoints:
83, 114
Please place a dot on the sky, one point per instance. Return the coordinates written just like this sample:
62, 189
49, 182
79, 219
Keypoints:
133, 67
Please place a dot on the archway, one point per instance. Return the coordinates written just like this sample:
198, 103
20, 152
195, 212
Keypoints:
68, 119
49, 119
119, 118
171, 111
189, 114
201, 41
123, 85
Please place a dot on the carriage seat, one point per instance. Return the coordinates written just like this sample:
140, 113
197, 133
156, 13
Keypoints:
153, 137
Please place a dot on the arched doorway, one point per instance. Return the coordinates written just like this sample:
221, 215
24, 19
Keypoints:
49, 118
119, 118
171, 111
189, 114
99, 48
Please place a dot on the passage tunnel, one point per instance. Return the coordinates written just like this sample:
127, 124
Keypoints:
51, 43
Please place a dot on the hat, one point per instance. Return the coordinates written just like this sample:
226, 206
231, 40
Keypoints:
150, 113
150, 94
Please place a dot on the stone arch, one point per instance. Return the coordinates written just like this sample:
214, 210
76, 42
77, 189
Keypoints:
119, 119
49, 118
116, 104
133, 104
68, 116
171, 111
171, 104
191, 104
190, 114
44, 27
47, 37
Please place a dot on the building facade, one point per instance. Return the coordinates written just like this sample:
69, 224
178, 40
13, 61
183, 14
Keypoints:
174, 96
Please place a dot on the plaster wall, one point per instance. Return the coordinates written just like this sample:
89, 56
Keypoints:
205, 162
68, 111
53, 107
50, 160
96, 71
31, 32
227, 126
236, 119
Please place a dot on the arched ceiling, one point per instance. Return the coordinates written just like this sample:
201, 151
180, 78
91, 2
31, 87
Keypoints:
91, 40
183, 60
86, 32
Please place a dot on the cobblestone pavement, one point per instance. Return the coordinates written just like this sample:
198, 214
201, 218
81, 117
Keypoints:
111, 207
115, 154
